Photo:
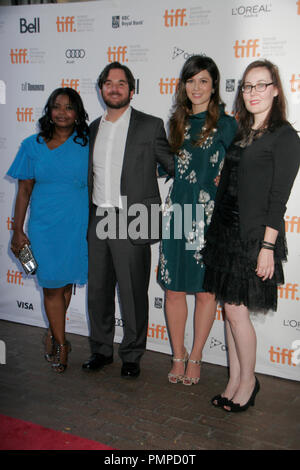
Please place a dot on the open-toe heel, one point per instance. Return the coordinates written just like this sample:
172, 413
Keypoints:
49, 346
177, 378
236, 407
60, 362
192, 380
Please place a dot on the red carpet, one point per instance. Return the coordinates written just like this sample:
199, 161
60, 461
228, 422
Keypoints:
22, 435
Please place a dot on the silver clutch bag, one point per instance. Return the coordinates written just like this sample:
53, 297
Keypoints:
27, 260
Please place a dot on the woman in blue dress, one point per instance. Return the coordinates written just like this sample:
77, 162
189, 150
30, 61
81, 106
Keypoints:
200, 133
51, 168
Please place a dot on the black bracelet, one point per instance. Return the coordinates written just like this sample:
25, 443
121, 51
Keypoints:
268, 245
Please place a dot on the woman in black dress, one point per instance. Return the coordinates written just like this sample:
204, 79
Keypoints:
245, 243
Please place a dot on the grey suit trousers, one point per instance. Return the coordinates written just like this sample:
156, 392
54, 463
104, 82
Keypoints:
117, 262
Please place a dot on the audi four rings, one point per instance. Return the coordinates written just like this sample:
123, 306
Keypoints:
75, 53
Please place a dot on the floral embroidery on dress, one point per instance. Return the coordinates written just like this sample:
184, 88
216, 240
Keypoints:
192, 178
183, 161
214, 158
204, 197
208, 209
209, 139
164, 272
195, 239
187, 136
167, 210
221, 166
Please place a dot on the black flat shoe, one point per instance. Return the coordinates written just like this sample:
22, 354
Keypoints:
236, 407
97, 362
218, 401
130, 370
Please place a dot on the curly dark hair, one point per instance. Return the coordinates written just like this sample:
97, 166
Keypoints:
46, 125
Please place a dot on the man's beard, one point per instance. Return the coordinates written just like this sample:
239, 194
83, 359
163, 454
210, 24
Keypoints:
116, 104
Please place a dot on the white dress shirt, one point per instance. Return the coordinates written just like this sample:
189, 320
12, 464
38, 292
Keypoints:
108, 158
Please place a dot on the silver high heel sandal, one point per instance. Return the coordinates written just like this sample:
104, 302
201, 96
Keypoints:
177, 378
191, 380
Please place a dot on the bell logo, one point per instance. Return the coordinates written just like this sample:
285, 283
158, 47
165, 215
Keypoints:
30, 27
117, 54
281, 356
295, 82
175, 18
288, 291
24, 114
70, 83
167, 86
65, 24
246, 49
14, 277
18, 56
292, 224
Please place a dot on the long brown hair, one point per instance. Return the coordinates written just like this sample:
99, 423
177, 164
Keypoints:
183, 106
277, 115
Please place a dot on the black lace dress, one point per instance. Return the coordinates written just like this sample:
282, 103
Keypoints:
231, 262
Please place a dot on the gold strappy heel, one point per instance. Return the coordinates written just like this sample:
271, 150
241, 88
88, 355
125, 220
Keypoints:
177, 378
192, 380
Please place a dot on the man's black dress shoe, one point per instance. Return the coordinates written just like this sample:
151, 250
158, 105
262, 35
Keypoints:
97, 361
130, 370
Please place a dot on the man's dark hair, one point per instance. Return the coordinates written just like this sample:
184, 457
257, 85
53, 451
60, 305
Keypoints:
116, 65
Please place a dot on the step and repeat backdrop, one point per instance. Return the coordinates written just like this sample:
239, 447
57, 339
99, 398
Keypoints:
67, 45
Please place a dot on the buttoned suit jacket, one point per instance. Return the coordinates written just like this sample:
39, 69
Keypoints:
146, 147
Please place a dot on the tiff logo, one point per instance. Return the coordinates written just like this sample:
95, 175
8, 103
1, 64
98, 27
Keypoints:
157, 332
71, 83
296, 352
292, 225
282, 356
295, 82
115, 54
175, 18
248, 49
298, 5
65, 24
14, 277
167, 86
19, 56
288, 291
24, 114
9, 223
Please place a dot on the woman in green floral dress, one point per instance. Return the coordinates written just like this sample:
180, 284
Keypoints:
200, 133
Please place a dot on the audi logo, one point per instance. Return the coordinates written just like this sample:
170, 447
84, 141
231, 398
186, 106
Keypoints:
75, 53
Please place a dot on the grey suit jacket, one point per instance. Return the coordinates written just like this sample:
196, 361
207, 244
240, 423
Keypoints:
146, 147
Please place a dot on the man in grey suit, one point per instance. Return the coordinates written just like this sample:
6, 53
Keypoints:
126, 146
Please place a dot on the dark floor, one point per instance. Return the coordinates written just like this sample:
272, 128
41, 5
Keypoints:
147, 413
